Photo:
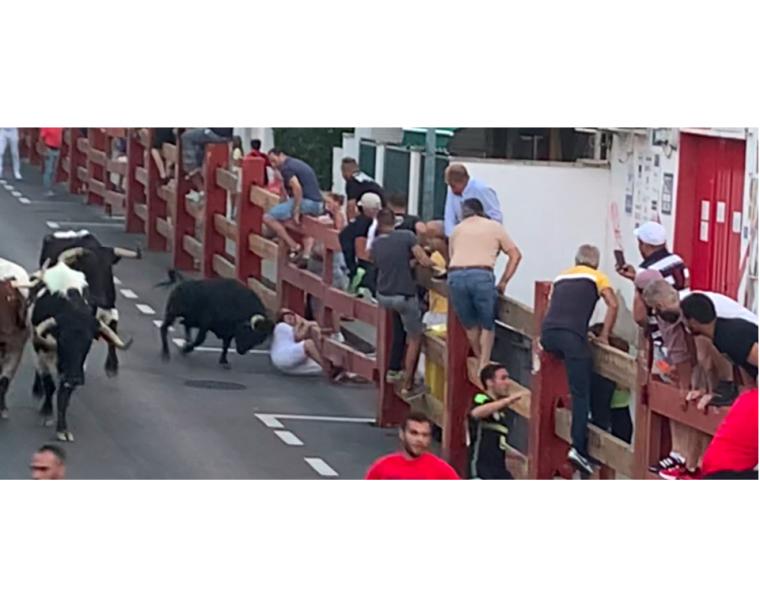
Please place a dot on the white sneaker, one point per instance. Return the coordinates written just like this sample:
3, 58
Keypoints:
580, 461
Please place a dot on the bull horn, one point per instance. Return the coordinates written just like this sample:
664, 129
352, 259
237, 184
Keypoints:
255, 319
111, 336
128, 253
20, 285
45, 327
70, 254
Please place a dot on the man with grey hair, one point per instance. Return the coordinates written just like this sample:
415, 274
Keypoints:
564, 333
463, 187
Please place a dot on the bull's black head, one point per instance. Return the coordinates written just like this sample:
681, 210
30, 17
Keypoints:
74, 332
250, 334
97, 266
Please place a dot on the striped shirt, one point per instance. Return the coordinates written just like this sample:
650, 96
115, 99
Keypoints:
674, 271
575, 293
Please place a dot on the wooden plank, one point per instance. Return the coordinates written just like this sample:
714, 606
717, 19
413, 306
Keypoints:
320, 232
141, 211
521, 407
614, 364
516, 315
223, 267
366, 311
264, 248
117, 132
227, 179
142, 137
349, 359
67, 136
194, 209
169, 152
114, 199
166, 193
425, 403
97, 187
97, 157
192, 246
66, 164
82, 174
606, 448
41, 147
83, 145
339, 301
163, 228
669, 401
141, 175
119, 167
225, 227
263, 198
268, 296
434, 348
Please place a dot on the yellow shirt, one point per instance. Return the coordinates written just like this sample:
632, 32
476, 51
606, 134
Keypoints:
438, 303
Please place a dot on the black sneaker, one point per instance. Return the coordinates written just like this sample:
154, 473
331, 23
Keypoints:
580, 461
670, 461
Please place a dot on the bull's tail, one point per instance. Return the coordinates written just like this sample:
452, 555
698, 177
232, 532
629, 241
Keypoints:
174, 277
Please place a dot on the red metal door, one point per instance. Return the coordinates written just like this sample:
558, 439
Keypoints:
709, 211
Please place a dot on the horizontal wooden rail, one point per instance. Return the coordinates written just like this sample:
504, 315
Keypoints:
269, 297
225, 227
349, 358
83, 145
435, 349
192, 246
119, 167
141, 211
97, 157
227, 179
671, 402
163, 228
264, 248
263, 198
141, 175
115, 199
223, 267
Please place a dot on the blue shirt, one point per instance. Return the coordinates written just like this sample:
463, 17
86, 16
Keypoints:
474, 189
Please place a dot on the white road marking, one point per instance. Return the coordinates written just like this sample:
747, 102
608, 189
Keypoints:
53, 225
159, 322
217, 349
270, 421
8, 187
319, 418
17, 194
288, 438
103, 224
145, 309
321, 467
3, 182
116, 281
24, 201
129, 294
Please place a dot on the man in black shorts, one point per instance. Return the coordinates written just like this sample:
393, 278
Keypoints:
489, 421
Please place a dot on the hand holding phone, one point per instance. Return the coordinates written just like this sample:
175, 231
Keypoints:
619, 258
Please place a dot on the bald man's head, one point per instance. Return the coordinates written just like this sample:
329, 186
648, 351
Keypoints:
457, 177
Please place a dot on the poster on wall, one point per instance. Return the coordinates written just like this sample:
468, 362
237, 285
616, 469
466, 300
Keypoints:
667, 194
629, 191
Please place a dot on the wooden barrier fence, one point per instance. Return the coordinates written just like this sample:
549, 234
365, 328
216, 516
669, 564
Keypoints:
197, 236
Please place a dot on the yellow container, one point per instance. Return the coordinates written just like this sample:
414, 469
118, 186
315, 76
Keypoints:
435, 375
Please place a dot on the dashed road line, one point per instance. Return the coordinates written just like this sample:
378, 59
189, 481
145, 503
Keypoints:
318, 418
95, 224
24, 201
53, 225
180, 342
8, 187
288, 438
321, 467
16, 193
159, 322
116, 280
129, 294
145, 309
270, 421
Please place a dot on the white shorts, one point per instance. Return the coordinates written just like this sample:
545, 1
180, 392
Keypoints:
295, 362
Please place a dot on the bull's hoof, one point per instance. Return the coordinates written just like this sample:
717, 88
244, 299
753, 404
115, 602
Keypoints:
64, 436
186, 350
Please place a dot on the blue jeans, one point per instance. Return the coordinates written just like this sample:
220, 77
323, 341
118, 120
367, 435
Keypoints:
51, 162
473, 294
284, 211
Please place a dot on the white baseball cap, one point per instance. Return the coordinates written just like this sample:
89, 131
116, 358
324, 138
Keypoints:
651, 233
370, 200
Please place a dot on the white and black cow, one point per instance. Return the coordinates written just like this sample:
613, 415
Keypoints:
223, 307
65, 325
96, 262
14, 329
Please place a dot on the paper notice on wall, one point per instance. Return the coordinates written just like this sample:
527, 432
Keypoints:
705, 212
629, 188
667, 193
704, 231
720, 212
736, 223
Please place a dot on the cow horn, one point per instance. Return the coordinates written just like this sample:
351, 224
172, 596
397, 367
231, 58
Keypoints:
111, 336
128, 253
70, 254
256, 319
20, 285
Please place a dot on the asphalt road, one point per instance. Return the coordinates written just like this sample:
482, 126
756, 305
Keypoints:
156, 420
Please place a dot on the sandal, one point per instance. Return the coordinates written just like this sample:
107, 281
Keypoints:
295, 254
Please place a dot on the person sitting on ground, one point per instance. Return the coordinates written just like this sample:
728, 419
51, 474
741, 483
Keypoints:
564, 334
414, 461
49, 462
358, 184
734, 337
475, 245
303, 196
610, 402
368, 207
392, 253
489, 422
297, 348
193, 148
732, 453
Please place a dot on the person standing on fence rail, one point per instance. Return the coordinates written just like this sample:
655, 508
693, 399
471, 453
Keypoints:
461, 188
303, 197
52, 138
9, 138
392, 253
475, 245
489, 422
413, 461
564, 333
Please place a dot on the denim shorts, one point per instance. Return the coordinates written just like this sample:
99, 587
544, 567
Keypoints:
472, 292
408, 308
284, 211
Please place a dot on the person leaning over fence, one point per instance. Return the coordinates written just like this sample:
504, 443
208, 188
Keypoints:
564, 333
194, 143
392, 254
474, 247
489, 422
358, 184
369, 206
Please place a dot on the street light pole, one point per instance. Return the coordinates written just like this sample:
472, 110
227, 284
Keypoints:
428, 187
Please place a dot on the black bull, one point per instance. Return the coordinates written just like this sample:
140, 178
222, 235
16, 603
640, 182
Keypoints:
96, 261
224, 307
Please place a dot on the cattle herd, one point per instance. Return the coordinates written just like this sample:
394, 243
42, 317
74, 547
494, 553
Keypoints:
71, 301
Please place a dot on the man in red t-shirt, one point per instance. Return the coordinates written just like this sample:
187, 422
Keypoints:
732, 453
52, 137
257, 153
414, 461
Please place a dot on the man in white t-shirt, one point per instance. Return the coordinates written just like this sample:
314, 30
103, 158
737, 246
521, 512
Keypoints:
297, 348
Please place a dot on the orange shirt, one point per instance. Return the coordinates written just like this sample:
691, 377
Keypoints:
52, 137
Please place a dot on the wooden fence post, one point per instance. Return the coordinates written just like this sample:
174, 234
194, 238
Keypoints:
249, 220
214, 243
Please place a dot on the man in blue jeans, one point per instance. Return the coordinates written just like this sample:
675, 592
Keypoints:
304, 197
564, 333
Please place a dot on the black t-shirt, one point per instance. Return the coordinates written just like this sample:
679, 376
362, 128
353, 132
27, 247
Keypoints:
407, 222
223, 132
735, 339
359, 184
391, 254
163, 135
488, 442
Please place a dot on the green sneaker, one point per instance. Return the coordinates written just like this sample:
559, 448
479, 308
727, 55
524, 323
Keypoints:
356, 281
